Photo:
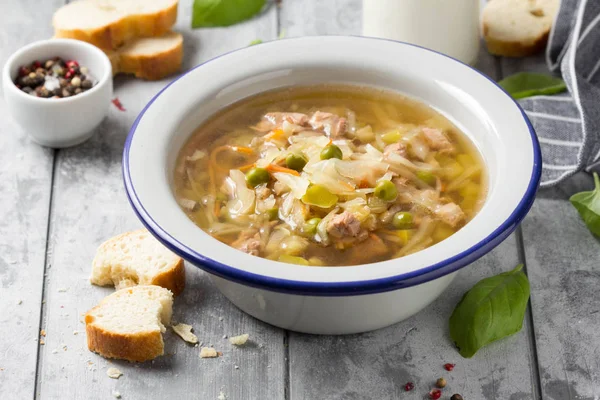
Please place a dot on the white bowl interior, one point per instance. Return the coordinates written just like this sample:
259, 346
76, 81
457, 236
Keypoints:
470, 100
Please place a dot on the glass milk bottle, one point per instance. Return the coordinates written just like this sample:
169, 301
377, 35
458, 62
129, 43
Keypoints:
447, 26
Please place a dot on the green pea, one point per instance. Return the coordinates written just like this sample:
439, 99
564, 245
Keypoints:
386, 191
426, 177
331, 151
273, 213
402, 220
257, 176
310, 227
296, 161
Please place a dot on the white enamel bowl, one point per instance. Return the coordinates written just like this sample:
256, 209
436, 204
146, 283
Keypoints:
344, 299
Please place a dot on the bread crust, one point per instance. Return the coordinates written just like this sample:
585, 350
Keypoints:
138, 347
172, 278
124, 29
152, 66
514, 48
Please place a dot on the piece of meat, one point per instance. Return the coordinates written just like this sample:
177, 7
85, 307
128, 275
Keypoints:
395, 148
437, 140
451, 214
262, 192
333, 125
250, 245
344, 225
274, 120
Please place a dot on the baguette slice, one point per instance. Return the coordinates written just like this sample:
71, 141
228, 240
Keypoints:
149, 58
129, 323
518, 28
111, 23
137, 258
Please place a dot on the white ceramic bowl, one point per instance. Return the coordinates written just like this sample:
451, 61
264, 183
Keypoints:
343, 299
59, 122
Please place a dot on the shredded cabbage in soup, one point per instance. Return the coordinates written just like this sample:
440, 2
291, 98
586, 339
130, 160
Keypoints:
329, 175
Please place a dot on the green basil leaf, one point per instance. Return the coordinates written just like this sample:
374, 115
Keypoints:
527, 84
588, 206
255, 41
493, 309
210, 13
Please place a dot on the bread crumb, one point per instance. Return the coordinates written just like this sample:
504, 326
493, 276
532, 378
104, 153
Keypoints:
117, 395
75, 332
43, 332
184, 331
224, 336
19, 302
236, 367
62, 290
42, 342
222, 396
220, 318
208, 352
239, 340
114, 373
54, 351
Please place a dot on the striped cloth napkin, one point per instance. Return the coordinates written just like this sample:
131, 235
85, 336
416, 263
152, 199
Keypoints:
568, 126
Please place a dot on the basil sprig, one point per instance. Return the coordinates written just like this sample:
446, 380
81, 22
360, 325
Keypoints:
527, 84
210, 13
588, 206
493, 309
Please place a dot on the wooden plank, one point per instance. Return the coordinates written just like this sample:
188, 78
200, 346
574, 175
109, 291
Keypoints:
90, 206
562, 263
378, 364
26, 175
562, 258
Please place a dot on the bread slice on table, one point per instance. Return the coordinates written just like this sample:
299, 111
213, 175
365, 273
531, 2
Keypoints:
137, 258
129, 323
149, 58
111, 23
518, 28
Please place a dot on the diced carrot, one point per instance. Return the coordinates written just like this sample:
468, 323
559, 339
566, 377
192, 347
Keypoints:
276, 168
275, 134
244, 168
241, 149
363, 184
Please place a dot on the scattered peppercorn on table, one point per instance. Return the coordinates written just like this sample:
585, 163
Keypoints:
59, 205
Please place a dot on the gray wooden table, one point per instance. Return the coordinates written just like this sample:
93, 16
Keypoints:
59, 205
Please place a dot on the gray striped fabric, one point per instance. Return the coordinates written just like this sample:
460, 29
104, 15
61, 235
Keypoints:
568, 126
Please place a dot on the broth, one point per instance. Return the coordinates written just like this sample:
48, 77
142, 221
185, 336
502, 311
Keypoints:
329, 175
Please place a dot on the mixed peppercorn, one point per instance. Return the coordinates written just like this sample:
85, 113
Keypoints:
436, 393
54, 78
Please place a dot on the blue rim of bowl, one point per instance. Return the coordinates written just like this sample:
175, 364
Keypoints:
350, 288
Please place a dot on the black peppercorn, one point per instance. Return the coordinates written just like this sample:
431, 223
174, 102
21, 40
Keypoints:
456, 397
54, 78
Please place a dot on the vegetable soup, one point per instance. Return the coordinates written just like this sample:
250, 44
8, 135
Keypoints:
329, 175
